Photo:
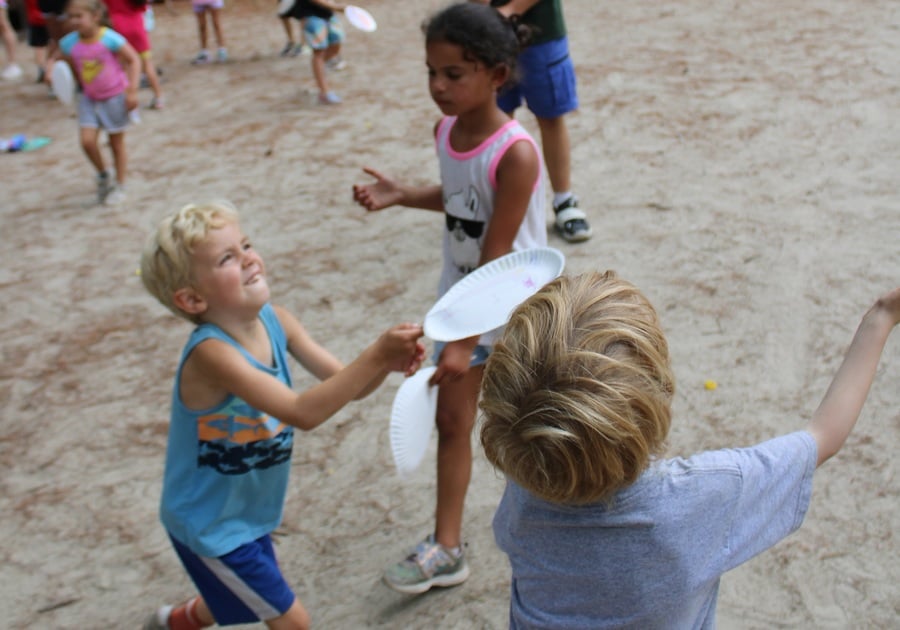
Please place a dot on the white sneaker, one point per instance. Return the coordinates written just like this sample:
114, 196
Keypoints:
336, 63
116, 196
158, 620
12, 72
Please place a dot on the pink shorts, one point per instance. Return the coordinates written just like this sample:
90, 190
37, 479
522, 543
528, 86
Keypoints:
202, 5
131, 27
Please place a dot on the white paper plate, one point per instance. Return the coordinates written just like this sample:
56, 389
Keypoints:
485, 298
412, 420
63, 82
360, 18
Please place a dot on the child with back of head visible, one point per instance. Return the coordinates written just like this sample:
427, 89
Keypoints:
599, 532
233, 411
491, 197
108, 69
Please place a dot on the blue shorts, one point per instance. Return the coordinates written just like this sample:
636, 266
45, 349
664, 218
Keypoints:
479, 355
243, 586
321, 33
111, 114
546, 81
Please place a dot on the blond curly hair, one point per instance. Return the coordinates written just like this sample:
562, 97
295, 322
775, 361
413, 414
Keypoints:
166, 259
577, 393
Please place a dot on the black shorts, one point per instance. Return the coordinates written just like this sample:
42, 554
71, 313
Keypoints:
38, 37
52, 7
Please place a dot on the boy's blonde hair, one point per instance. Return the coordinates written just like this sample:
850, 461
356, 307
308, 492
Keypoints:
166, 259
577, 392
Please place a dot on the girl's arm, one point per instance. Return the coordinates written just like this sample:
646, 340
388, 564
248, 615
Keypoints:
517, 174
839, 410
385, 192
131, 62
218, 366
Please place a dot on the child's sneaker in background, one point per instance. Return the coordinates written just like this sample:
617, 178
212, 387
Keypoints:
336, 63
571, 221
104, 186
201, 58
222, 55
12, 72
329, 98
158, 620
116, 196
430, 564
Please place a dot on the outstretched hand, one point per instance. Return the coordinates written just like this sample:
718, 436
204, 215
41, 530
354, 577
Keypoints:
382, 193
401, 348
890, 302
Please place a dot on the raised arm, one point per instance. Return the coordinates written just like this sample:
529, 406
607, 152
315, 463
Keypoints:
839, 410
223, 368
385, 192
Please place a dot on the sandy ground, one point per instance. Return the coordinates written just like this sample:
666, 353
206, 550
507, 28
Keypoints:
738, 161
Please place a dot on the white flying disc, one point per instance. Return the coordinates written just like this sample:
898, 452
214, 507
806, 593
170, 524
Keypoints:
412, 420
62, 81
485, 298
360, 18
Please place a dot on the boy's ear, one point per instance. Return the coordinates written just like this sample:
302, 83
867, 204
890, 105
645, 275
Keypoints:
189, 301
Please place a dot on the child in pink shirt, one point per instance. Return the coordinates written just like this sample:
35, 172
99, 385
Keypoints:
107, 68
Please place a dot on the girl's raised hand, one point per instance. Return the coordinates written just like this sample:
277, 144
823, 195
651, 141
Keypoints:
890, 302
382, 193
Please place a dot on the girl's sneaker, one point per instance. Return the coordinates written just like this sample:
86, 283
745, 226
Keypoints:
12, 72
222, 55
157, 103
287, 49
116, 196
104, 187
329, 98
336, 63
430, 564
201, 58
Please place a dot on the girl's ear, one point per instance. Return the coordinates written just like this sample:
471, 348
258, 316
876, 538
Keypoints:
501, 75
189, 301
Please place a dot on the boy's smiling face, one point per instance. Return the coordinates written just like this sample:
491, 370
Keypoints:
229, 275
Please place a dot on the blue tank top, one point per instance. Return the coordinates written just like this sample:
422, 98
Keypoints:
227, 467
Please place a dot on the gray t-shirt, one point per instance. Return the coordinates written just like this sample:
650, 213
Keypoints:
652, 558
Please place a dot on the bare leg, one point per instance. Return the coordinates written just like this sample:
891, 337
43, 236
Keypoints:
8, 36
457, 405
332, 51
288, 31
149, 69
555, 143
296, 618
201, 28
318, 68
217, 28
120, 157
91, 147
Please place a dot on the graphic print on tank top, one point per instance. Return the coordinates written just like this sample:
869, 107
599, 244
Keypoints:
466, 232
238, 438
